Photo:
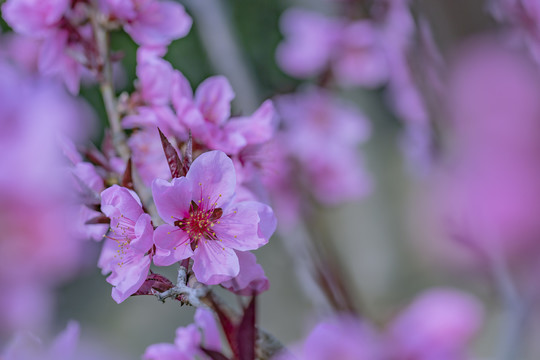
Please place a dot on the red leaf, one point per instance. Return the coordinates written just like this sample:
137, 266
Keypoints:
188, 153
127, 179
156, 282
214, 355
175, 164
98, 220
247, 333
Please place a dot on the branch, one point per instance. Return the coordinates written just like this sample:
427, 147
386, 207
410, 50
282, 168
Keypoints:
106, 80
512, 332
188, 295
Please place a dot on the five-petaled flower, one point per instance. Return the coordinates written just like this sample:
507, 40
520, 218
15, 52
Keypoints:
125, 252
204, 222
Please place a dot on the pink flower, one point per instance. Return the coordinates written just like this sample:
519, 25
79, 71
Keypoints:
130, 238
85, 175
151, 22
310, 39
152, 101
33, 112
342, 337
489, 191
315, 43
26, 347
444, 322
34, 17
188, 342
361, 60
207, 115
322, 134
148, 156
251, 279
205, 223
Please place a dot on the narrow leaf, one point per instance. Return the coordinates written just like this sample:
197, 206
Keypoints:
188, 153
247, 333
127, 179
175, 164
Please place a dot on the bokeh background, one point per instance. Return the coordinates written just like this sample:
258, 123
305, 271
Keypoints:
387, 243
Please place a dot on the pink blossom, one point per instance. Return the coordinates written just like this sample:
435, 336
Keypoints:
27, 347
310, 39
322, 134
34, 17
251, 279
55, 60
444, 323
208, 115
489, 192
189, 340
33, 113
361, 61
315, 43
152, 101
129, 240
148, 156
341, 337
205, 223
85, 175
152, 22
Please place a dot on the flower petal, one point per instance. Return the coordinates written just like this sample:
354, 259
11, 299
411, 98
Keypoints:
144, 232
251, 277
173, 245
213, 264
212, 175
207, 323
118, 201
172, 198
246, 226
128, 277
213, 97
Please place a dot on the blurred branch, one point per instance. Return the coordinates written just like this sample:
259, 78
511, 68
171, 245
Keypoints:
106, 81
191, 292
514, 325
218, 36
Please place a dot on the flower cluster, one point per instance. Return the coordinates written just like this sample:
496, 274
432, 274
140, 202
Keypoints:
63, 32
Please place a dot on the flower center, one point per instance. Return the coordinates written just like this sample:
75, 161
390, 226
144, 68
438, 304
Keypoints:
199, 223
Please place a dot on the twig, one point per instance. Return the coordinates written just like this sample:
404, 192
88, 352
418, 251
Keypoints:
189, 295
512, 332
106, 81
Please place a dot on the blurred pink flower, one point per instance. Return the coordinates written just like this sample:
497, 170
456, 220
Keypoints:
150, 22
341, 337
189, 339
322, 134
35, 18
205, 223
315, 43
148, 156
489, 187
33, 113
27, 347
130, 239
438, 325
310, 40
